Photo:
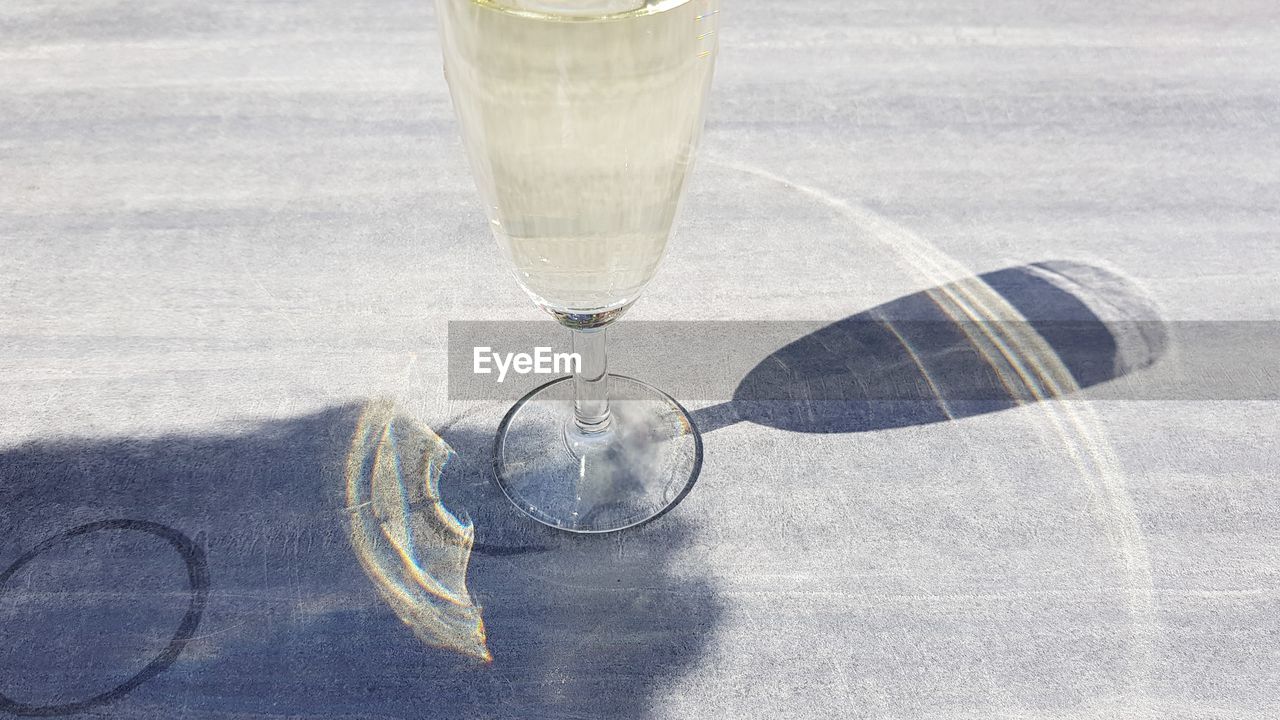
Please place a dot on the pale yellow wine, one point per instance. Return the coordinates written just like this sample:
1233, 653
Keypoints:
580, 118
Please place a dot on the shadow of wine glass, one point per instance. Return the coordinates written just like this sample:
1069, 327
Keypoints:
999, 340
290, 617
310, 528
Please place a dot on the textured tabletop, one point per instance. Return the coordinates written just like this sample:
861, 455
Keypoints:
232, 235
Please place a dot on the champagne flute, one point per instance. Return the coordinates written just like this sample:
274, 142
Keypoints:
580, 119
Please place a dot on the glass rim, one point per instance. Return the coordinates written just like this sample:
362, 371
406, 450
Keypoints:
569, 15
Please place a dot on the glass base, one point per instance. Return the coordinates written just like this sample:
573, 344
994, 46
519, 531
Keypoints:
644, 463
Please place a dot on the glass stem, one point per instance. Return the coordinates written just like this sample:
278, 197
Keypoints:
591, 381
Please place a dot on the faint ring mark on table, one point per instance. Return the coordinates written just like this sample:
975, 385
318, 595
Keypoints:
197, 575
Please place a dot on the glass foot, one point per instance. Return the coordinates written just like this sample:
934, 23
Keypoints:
638, 468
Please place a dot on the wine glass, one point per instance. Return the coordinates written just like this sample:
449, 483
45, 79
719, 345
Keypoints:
580, 120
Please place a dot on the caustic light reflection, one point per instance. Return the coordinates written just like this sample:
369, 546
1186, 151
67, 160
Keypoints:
413, 548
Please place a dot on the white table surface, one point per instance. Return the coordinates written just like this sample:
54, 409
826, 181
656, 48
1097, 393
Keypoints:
226, 227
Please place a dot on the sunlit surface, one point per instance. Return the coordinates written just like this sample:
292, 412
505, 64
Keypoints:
413, 548
1031, 372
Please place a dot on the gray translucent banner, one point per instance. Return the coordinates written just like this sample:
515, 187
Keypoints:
865, 360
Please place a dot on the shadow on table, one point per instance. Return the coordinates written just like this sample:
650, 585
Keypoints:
315, 541
296, 620
987, 343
